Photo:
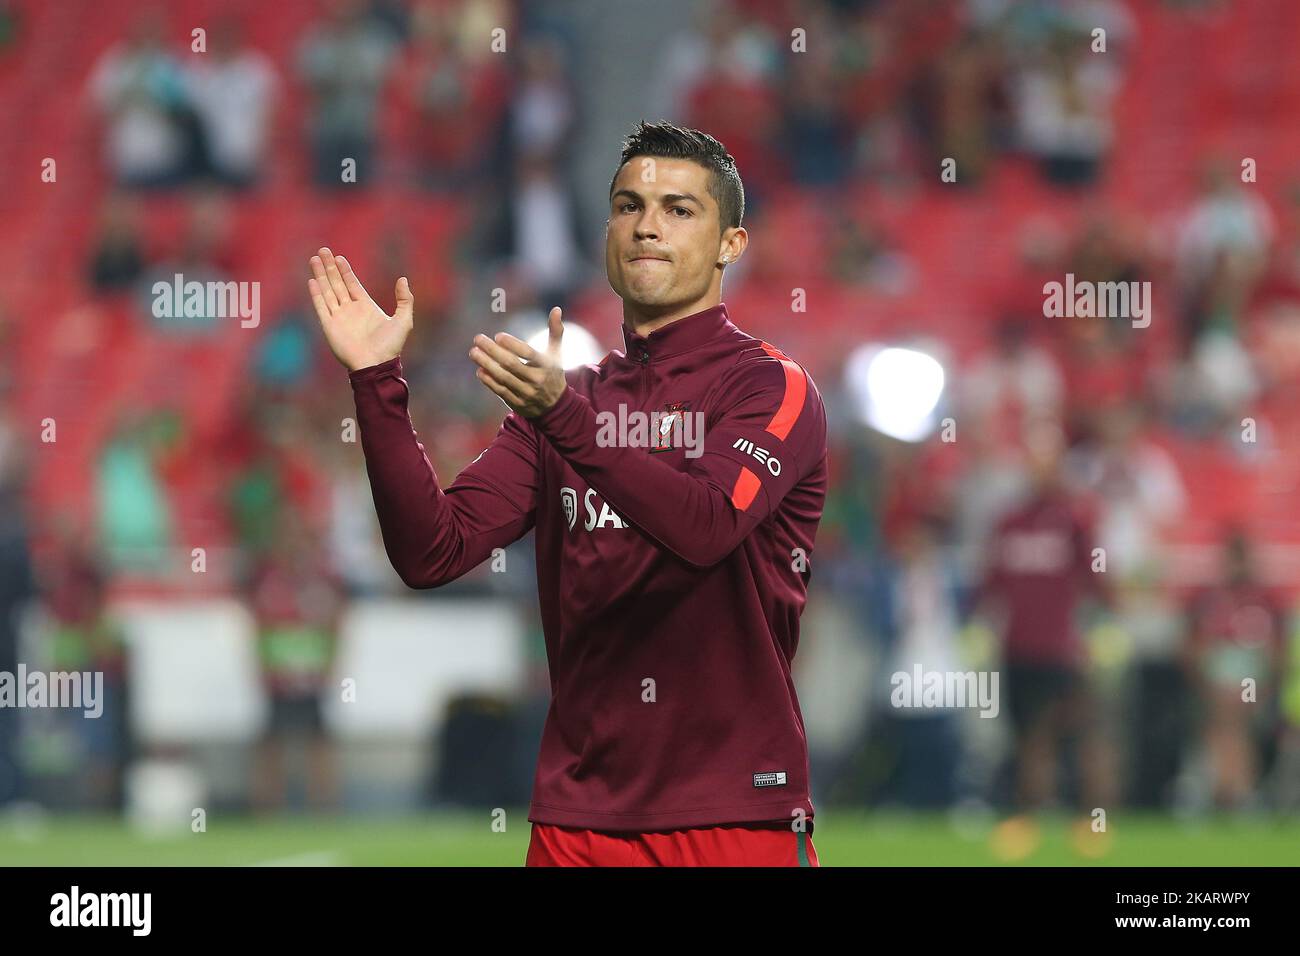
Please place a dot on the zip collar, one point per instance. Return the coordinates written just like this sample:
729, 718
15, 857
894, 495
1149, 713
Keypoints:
678, 336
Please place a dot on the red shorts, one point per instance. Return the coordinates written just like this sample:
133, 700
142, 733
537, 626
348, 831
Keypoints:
738, 845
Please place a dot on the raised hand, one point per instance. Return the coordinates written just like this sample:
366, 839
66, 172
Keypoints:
529, 389
359, 332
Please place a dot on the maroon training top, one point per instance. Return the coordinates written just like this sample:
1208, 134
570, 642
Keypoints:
1040, 567
670, 586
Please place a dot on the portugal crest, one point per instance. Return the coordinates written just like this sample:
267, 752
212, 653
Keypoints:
669, 431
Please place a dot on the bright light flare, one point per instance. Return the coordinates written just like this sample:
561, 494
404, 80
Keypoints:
895, 390
578, 347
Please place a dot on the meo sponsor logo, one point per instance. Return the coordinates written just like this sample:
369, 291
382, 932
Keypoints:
760, 455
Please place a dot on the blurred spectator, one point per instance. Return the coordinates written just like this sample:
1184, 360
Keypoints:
1227, 218
923, 596
542, 234
816, 135
1107, 249
440, 281
356, 549
234, 90
733, 97
1136, 487
542, 111
1288, 760
1011, 386
860, 254
1222, 250
84, 638
204, 255
283, 360
992, 482
1099, 367
17, 588
141, 89
449, 105
344, 62
1235, 637
722, 40
969, 96
1157, 715
296, 603
1039, 570
118, 259
135, 512
1041, 254
1063, 99
273, 469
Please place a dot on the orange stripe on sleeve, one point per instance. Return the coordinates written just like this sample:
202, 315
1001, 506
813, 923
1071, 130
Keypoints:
747, 485
796, 390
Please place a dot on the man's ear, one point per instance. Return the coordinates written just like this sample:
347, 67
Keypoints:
726, 255
735, 247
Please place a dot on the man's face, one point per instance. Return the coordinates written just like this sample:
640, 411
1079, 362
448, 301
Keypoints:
662, 244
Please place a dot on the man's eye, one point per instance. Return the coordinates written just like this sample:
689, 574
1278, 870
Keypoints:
624, 207
683, 209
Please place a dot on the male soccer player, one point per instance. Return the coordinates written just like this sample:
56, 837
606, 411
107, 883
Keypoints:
671, 578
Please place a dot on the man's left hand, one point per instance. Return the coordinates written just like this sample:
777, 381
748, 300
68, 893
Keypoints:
528, 381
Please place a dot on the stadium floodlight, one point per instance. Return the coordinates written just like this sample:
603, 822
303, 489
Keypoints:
895, 390
579, 347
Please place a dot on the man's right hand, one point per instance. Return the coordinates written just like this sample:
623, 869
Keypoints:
358, 331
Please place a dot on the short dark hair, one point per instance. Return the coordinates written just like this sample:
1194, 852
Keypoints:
678, 142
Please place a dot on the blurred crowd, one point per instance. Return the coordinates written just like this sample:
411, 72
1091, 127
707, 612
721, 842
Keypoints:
1123, 683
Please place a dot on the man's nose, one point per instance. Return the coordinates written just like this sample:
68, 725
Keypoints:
646, 227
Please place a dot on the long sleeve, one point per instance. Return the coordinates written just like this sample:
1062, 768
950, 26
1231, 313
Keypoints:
434, 536
771, 433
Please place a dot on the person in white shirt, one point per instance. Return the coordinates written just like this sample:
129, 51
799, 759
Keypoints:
234, 90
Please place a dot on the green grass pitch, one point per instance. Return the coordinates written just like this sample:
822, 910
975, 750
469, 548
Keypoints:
842, 838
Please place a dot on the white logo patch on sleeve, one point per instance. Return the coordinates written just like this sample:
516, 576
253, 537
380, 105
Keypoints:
760, 455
